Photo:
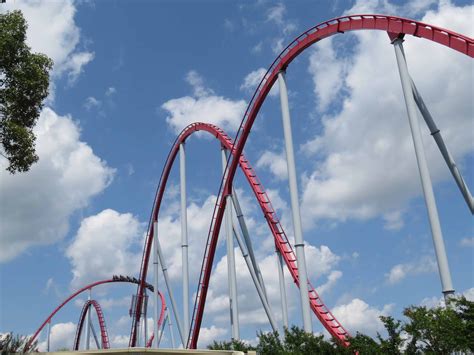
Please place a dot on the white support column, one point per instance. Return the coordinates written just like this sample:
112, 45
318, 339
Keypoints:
170, 324
247, 240
97, 344
155, 286
295, 207
48, 341
234, 309
161, 331
435, 132
281, 278
255, 280
430, 201
164, 269
184, 236
88, 322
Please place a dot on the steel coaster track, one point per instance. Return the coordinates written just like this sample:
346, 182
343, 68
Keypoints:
100, 316
85, 288
281, 240
395, 26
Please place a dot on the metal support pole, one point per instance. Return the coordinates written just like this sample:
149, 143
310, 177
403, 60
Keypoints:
234, 312
161, 331
170, 324
281, 278
155, 286
164, 268
295, 207
435, 132
184, 236
430, 201
94, 335
248, 242
139, 328
255, 280
48, 341
145, 320
88, 322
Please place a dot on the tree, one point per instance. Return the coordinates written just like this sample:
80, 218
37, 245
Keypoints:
440, 330
24, 81
237, 345
10, 343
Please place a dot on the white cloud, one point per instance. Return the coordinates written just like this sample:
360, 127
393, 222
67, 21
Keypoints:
106, 244
108, 303
42, 200
196, 81
52, 30
358, 316
120, 341
62, 336
276, 163
203, 107
257, 49
208, 335
333, 277
467, 242
366, 163
275, 14
425, 264
91, 102
252, 80
327, 72
110, 91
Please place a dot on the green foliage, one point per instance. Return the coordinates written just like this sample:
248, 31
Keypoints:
237, 345
10, 343
440, 330
24, 81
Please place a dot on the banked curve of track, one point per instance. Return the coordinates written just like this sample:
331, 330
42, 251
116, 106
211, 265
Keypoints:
395, 26
281, 241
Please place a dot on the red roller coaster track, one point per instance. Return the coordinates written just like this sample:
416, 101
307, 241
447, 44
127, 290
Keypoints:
85, 288
100, 316
281, 240
391, 24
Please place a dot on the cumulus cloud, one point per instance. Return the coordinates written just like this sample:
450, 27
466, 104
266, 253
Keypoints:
52, 30
203, 106
252, 80
358, 316
275, 162
425, 264
366, 163
327, 72
62, 336
209, 334
108, 243
41, 201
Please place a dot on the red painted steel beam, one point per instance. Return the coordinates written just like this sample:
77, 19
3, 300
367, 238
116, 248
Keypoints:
100, 316
392, 24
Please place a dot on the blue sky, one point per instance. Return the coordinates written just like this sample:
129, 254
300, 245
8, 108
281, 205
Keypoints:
128, 77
